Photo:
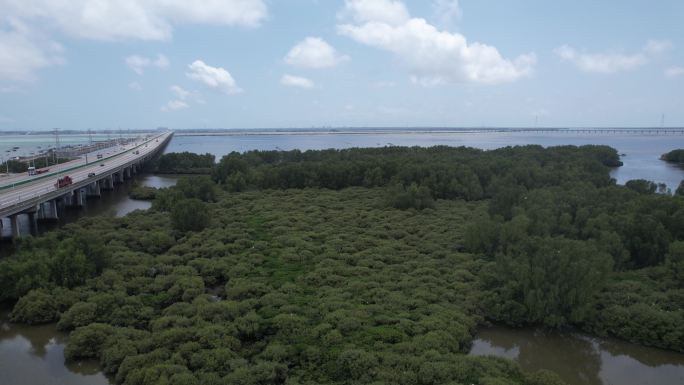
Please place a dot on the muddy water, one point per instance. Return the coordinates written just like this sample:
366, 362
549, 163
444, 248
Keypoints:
582, 360
34, 355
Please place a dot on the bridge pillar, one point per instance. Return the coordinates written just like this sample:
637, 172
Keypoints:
78, 199
14, 221
108, 182
67, 199
48, 211
94, 190
33, 223
40, 212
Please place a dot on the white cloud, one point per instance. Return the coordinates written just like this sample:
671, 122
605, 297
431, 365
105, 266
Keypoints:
656, 47
134, 19
138, 64
135, 86
314, 52
22, 52
433, 57
674, 71
183, 94
180, 92
296, 81
611, 62
174, 105
390, 12
213, 77
447, 11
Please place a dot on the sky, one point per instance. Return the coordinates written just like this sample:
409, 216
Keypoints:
143, 64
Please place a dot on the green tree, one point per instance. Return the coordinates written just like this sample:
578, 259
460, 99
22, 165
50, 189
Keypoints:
198, 187
190, 215
550, 281
36, 307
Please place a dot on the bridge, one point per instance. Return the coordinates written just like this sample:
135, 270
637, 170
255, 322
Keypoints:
38, 196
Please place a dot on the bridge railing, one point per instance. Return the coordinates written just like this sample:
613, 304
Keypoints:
24, 200
52, 175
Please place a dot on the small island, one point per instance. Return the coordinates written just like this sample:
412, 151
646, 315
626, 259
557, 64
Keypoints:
674, 156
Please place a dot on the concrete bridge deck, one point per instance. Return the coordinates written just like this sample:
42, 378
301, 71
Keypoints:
37, 195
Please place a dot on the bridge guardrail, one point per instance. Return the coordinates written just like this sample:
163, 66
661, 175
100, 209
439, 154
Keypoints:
69, 169
28, 200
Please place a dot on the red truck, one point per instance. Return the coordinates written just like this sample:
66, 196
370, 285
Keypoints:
63, 182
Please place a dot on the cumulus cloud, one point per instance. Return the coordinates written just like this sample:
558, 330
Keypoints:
674, 71
656, 47
174, 105
23, 51
135, 86
134, 19
612, 62
447, 11
138, 64
180, 92
213, 77
390, 12
296, 81
314, 52
182, 99
185, 95
433, 57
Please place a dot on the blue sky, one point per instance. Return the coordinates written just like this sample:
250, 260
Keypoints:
305, 63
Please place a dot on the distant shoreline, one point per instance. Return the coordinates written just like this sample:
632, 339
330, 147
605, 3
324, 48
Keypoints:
359, 130
422, 131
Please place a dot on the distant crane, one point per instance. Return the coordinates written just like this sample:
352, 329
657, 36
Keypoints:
662, 121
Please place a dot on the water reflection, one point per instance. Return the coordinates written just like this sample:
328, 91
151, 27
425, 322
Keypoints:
115, 203
580, 359
35, 355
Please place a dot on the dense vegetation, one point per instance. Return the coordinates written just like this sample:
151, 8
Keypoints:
359, 266
674, 156
184, 163
145, 193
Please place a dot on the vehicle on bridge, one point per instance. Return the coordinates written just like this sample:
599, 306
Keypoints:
63, 182
99, 156
91, 174
32, 171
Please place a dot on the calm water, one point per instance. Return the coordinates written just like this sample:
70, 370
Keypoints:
34, 355
582, 360
641, 152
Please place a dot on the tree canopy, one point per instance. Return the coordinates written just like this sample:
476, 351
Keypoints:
360, 266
